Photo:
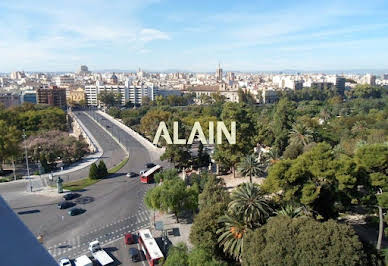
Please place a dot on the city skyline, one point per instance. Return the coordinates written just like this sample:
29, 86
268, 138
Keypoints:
162, 35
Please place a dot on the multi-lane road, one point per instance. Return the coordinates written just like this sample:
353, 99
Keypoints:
113, 206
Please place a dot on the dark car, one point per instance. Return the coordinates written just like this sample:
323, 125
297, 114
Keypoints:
65, 204
75, 211
129, 239
150, 165
131, 174
70, 196
134, 254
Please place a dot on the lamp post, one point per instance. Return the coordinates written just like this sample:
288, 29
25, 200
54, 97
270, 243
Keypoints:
28, 168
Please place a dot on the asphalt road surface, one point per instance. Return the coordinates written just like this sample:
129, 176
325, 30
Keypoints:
114, 206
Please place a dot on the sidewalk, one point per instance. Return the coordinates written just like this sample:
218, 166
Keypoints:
176, 232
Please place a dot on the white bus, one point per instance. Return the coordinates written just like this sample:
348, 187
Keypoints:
150, 247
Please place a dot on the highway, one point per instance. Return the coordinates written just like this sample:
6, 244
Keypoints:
113, 206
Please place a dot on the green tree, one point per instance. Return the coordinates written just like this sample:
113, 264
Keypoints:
167, 174
251, 166
248, 203
149, 123
303, 241
309, 180
203, 257
372, 161
173, 195
229, 155
281, 124
109, 98
93, 171
290, 210
213, 201
178, 155
177, 255
300, 134
231, 235
102, 170
10, 138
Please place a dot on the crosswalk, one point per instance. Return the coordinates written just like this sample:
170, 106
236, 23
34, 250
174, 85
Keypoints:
77, 246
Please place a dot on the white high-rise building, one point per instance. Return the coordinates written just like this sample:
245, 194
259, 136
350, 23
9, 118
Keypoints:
129, 92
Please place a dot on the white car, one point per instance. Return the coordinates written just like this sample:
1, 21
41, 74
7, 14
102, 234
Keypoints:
65, 262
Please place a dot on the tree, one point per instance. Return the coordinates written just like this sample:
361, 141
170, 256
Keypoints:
251, 166
214, 192
213, 202
309, 180
282, 123
205, 99
93, 171
177, 154
102, 170
231, 235
229, 155
303, 241
10, 138
173, 195
149, 123
109, 98
167, 174
372, 161
300, 134
177, 255
244, 96
203, 158
248, 203
291, 211
203, 257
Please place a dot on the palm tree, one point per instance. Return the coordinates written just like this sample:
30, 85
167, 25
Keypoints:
231, 235
248, 202
253, 166
291, 211
300, 134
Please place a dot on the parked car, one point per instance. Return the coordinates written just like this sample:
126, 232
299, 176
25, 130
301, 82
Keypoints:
131, 174
134, 254
150, 165
71, 195
65, 204
129, 239
65, 262
75, 211
142, 172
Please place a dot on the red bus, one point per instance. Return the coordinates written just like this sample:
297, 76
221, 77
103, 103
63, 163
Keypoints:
148, 176
150, 248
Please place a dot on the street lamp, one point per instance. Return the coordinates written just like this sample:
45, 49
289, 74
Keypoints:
28, 168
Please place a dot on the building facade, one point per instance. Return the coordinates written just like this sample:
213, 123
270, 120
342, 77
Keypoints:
52, 95
9, 99
76, 96
28, 96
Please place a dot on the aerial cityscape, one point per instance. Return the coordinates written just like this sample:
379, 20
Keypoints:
198, 133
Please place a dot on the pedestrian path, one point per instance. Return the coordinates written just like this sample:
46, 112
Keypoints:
77, 246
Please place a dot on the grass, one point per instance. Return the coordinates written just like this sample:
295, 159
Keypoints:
85, 182
80, 184
114, 169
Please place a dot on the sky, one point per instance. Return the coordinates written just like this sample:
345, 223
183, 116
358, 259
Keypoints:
46, 35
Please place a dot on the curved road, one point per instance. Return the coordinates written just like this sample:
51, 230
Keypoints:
113, 206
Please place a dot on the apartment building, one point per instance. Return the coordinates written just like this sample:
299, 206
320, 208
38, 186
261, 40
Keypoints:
52, 95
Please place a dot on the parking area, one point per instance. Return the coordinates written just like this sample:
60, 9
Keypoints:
119, 252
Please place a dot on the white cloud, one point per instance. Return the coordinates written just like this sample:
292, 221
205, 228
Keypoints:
147, 35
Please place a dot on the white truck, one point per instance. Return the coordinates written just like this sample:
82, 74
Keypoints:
99, 254
83, 261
